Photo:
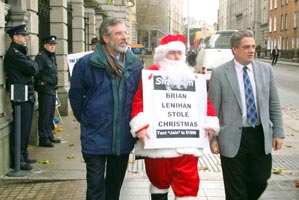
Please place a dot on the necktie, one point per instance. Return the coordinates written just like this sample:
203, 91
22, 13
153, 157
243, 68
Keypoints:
252, 117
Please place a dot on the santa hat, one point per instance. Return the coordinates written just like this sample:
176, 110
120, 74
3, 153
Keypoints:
169, 43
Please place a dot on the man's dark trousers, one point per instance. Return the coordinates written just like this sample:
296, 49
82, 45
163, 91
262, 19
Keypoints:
274, 59
46, 110
27, 109
245, 175
101, 184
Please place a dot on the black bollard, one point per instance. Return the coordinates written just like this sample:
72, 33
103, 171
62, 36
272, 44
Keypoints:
18, 95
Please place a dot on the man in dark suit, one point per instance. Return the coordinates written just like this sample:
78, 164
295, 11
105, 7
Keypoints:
274, 54
246, 139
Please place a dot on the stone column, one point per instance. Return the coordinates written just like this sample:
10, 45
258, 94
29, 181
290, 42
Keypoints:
33, 49
91, 29
99, 20
58, 27
4, 98
78, 25
3, 9
17, 15
32, 25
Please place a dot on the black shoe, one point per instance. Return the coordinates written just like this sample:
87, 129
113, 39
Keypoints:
159, 196
23, 166
55, 140
46, 144
31, 160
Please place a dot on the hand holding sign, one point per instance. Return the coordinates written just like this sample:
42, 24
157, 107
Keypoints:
143, 135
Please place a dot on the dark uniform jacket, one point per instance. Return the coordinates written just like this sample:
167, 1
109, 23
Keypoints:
19, 68
46, 80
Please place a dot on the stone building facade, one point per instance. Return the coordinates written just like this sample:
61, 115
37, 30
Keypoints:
74, 22
244, 14
222, 15
157, 18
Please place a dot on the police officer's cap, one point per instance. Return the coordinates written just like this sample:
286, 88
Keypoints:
20, 29
51, 39
94, 41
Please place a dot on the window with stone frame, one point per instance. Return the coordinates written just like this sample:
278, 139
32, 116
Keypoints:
281, 22
274, 23
295, 20
270, 24
270, 4
286, 22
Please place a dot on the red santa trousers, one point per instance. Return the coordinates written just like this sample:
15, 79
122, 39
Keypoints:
181, 173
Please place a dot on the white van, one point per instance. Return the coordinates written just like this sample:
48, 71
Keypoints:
215, 51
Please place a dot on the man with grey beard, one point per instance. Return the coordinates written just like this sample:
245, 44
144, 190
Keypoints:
103, 85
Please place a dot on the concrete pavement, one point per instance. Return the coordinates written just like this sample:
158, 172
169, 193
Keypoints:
64, 176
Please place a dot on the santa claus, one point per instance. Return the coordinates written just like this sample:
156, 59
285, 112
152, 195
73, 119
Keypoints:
175, 167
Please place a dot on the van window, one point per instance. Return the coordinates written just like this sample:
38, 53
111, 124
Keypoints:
218, 41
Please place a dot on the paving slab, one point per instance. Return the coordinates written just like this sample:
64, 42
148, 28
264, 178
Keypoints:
64, 178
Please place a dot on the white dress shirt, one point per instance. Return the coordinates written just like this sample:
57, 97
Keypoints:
239, 70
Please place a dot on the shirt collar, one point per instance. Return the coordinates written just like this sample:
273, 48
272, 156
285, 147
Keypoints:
117, 57
239, 66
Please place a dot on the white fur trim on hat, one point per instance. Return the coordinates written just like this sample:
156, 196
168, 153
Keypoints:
162, 50
138, 122
212, 122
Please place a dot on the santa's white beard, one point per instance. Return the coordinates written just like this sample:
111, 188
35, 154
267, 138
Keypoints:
178, 74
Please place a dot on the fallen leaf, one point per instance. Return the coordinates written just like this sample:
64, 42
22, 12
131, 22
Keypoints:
285, 171
202, 168
70, 156
297, 184
71, 145
277, 170
44, 161
59, 129
288, 146
218, 163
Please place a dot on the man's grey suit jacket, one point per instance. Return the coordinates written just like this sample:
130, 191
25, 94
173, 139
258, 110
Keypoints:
224, 92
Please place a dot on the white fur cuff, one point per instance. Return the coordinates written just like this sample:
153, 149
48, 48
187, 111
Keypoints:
138, 122
212, 123
155, 190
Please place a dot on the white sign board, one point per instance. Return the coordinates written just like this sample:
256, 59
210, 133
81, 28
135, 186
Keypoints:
73, 58
176, 116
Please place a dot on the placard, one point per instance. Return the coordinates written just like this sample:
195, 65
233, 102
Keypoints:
176, 116
73, 58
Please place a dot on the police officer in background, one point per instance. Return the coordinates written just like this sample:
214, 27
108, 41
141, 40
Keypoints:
45, 85
20, 69
93, 43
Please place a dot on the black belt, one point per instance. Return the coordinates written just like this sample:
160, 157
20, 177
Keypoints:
251, 128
